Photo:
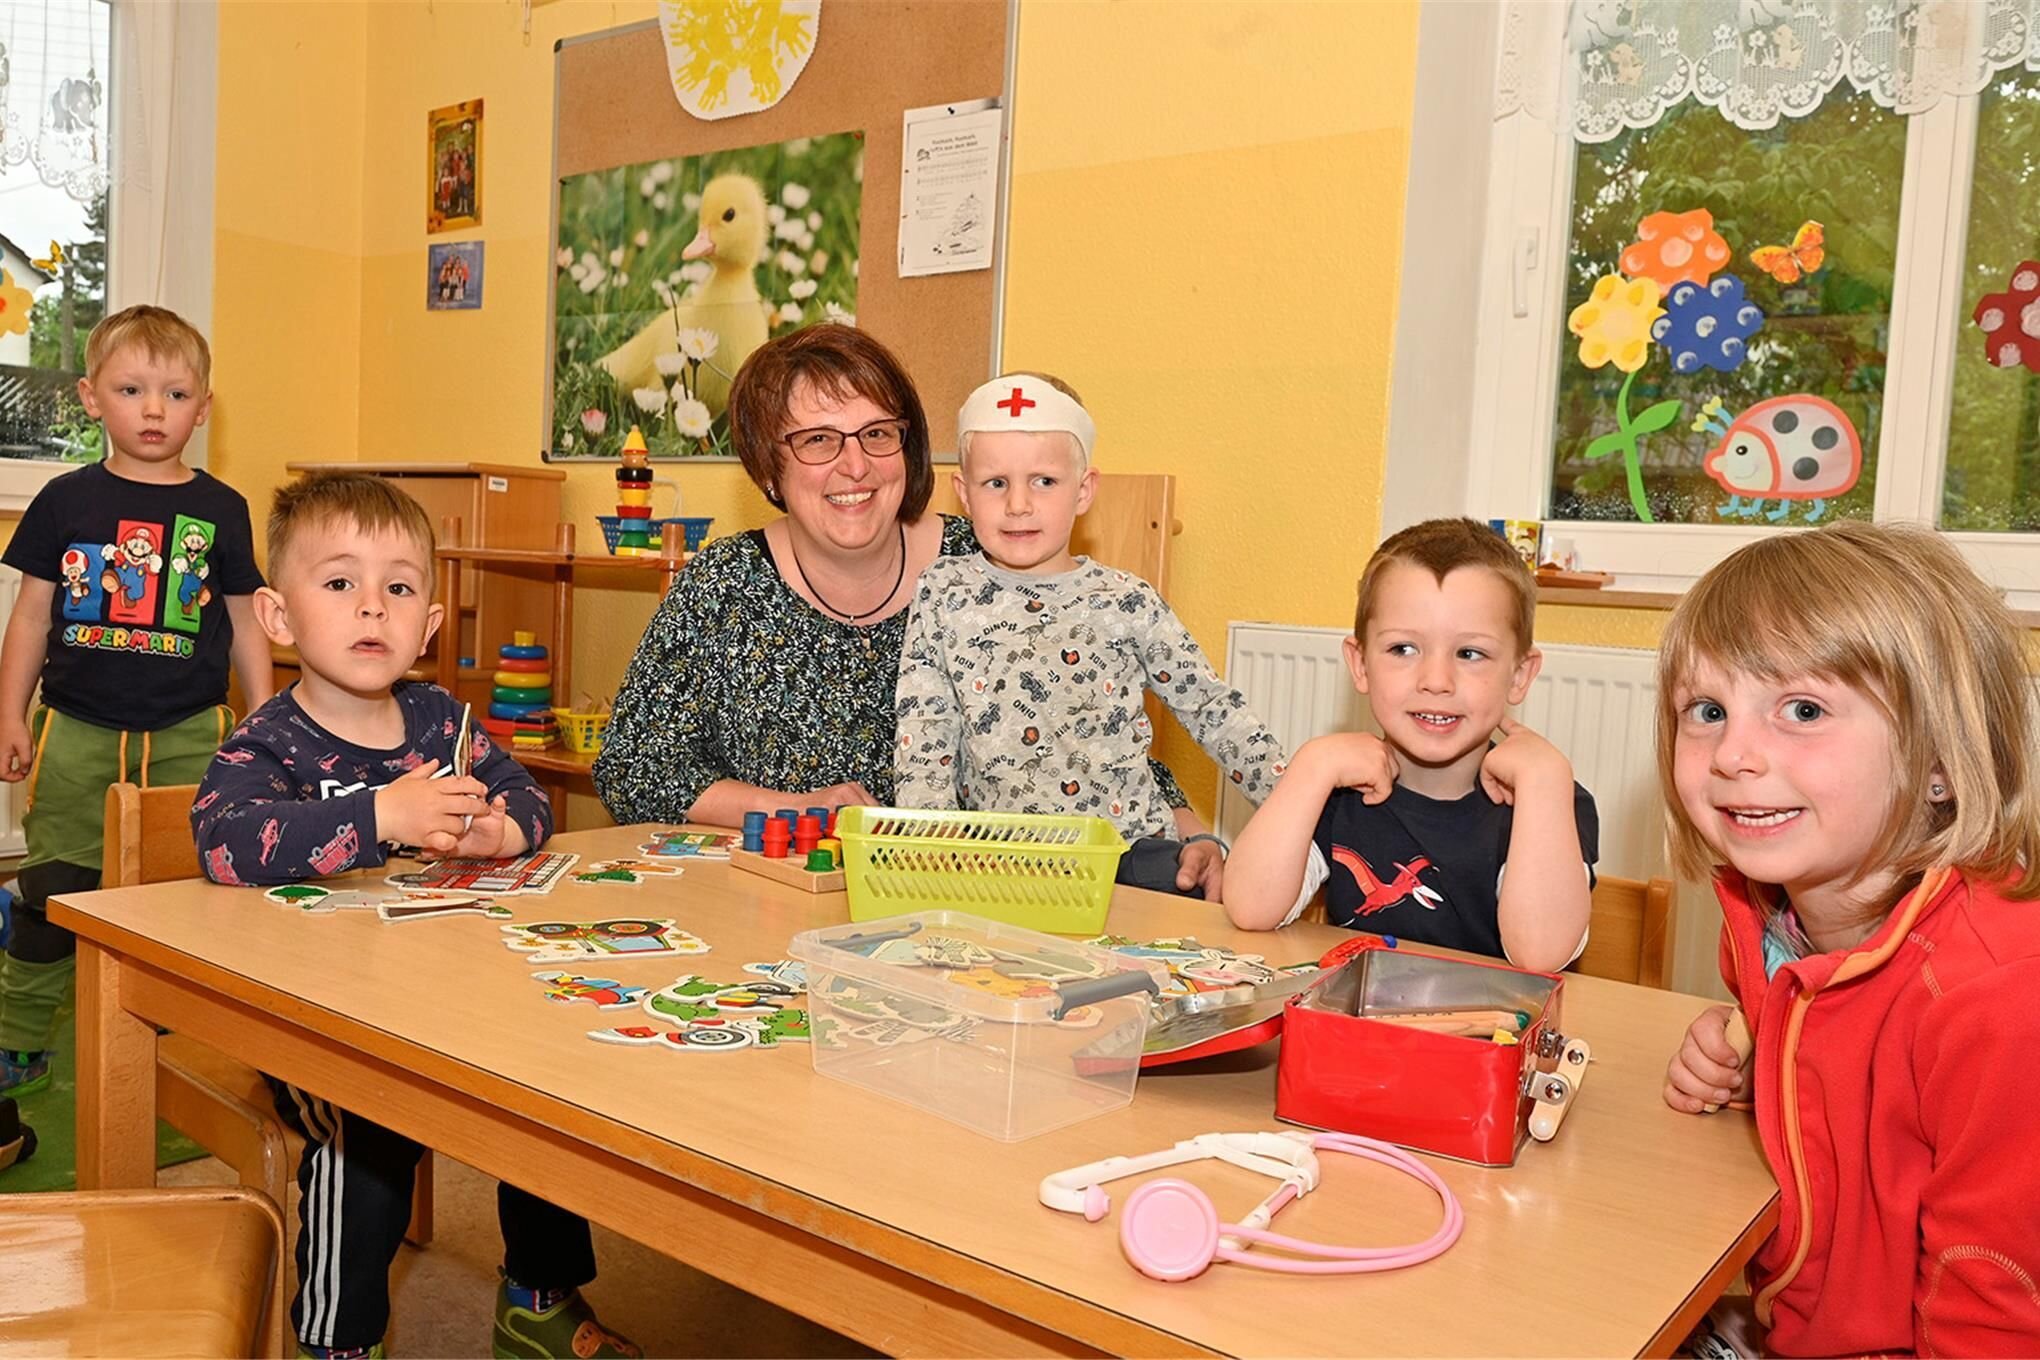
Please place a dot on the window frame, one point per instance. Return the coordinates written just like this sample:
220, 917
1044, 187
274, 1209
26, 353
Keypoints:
162, 74
1521, 343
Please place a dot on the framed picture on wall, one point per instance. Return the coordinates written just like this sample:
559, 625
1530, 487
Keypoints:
453, 276
453, 167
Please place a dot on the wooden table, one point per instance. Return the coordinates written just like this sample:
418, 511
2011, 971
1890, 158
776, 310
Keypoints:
872, 1217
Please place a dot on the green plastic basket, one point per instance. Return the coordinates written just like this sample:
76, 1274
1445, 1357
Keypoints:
1048, 873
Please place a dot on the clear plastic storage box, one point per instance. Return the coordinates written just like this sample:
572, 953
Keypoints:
1000, 1029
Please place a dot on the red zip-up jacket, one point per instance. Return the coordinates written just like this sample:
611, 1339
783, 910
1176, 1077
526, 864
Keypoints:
1896, 1092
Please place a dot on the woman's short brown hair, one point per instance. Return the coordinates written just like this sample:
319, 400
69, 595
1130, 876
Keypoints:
836, 361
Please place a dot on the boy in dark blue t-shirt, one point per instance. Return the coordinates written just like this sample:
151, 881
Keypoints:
1432, 831
137, 585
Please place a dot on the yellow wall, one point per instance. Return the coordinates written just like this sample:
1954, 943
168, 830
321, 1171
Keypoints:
1206, 222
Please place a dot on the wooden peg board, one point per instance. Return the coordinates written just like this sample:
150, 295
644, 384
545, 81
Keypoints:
788, 871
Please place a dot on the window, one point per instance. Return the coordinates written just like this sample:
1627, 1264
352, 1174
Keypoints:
53, 221
1741, 280
151, 136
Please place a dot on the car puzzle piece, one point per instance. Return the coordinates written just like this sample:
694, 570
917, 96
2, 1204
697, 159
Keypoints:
569, 941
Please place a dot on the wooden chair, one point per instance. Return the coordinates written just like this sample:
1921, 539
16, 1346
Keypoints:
1629, 933
1129, 525
221, 1104
141, 1272
1629, 930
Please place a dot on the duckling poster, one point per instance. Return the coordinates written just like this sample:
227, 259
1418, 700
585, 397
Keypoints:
667, 274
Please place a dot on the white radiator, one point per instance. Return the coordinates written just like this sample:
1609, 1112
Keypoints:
1596, 704
11, 840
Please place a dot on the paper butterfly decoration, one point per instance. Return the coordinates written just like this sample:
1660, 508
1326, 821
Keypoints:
1787, 264
54, 262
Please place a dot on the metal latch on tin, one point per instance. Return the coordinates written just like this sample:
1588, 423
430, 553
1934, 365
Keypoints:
1555, 1088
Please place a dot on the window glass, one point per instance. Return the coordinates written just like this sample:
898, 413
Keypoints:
1992, 480
1728, 306
53, 220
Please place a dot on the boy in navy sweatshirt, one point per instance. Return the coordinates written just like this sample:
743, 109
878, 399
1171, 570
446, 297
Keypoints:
321, 779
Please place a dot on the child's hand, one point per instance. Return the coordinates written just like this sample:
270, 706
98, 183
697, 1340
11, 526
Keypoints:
1354, 760
17, 751
1706, 1071
1521, 755
492, 836
1201, 865
429, 813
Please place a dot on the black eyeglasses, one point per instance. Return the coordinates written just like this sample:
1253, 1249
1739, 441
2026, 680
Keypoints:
879, 439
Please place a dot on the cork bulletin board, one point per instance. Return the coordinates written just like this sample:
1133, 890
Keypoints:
873, 60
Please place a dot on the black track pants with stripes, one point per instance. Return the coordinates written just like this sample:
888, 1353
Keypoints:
355, 1179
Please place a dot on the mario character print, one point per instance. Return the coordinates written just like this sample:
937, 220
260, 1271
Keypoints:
191, 542
133, 565
78, 578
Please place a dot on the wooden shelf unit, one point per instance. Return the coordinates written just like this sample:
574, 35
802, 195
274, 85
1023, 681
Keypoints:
558, 764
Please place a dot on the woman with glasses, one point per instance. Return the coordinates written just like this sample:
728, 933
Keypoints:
766, 678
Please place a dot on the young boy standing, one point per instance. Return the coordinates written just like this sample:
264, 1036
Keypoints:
320, 780
131, 634
1430, 831
1024, 665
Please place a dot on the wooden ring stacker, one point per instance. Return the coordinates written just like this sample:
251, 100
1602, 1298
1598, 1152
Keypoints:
1742, 1041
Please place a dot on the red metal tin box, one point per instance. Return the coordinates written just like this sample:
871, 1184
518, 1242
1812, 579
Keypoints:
1467, 1097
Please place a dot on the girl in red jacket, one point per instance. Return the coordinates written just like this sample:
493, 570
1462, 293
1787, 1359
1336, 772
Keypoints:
1846, 734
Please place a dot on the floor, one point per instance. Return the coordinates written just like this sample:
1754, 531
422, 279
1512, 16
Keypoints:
442, 1297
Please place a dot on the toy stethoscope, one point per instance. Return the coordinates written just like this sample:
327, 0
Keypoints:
1169, 1229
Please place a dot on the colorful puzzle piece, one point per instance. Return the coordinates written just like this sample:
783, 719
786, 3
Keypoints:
626, 871
433, 906
534, 873
792, 972
678, 844
606, 993
568, 941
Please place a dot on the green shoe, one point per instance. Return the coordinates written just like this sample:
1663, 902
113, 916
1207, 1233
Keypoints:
565, 1331
23, 1074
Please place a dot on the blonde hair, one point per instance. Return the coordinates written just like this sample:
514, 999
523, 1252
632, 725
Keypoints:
1441, 547
159, 332
1076, 444
372, 504
1896, 614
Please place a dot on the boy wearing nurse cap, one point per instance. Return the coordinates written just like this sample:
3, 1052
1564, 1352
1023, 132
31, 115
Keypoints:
1024, 666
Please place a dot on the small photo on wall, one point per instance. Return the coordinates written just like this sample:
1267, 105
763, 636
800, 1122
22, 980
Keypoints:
453, 276
453, 167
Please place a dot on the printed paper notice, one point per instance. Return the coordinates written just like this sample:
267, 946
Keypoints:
949, 187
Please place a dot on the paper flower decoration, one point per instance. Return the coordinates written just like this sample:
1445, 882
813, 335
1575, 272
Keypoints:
2010, 320
1672, 248
1614, 322
1708, 327
15, 304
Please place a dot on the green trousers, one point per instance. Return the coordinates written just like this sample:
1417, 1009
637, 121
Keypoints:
75, 763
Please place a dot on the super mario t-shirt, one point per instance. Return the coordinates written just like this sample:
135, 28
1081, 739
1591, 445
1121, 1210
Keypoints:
139, 637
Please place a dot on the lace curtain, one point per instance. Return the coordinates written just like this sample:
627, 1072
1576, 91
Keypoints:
1625, 62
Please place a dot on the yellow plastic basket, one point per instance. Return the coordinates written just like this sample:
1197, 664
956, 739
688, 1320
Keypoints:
1048, 873
583, 731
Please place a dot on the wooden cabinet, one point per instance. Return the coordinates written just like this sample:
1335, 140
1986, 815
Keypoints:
497, 506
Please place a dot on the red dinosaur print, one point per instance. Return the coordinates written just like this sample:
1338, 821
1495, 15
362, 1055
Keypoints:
1380, 896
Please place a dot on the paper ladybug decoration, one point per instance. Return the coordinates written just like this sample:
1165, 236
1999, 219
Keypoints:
1792, 448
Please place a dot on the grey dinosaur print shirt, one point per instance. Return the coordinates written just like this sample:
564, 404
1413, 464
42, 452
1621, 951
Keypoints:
1023, 694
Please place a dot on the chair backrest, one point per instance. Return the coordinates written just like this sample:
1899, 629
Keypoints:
1129, 525
1629, 934
148, 835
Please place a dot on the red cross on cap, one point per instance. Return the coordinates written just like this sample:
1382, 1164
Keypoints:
1016, 403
